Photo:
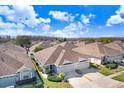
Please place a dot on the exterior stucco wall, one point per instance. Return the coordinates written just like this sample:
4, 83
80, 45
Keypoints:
72, 67
95, 60
9, 80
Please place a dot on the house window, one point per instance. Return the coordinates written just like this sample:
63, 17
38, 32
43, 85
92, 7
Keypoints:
50, 66
47, 68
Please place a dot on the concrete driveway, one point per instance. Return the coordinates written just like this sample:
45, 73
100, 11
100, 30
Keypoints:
94, 80
73, 74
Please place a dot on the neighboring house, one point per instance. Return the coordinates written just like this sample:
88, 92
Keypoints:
13, 60
99, 50
61, 58
24, 76
118, 59
44, 44
117, 45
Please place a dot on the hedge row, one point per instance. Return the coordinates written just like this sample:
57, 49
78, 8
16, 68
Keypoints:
111, 66
54, 78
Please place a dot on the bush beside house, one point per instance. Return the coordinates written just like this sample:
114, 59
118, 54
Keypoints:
38, 49
111, 66
94, 65
56, 78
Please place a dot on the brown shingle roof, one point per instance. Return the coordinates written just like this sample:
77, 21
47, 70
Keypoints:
10, 64
57, 54
71, 56
13, 58
65, 51
96, 49
117, 45
90, 49
18, 53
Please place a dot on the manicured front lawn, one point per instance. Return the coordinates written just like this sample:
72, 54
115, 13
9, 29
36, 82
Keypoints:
120, 68
119, 78
105, 71
51, 84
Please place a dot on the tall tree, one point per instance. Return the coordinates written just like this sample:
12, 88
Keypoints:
23, 41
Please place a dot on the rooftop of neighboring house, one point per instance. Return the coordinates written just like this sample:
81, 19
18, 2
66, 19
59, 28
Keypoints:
98, 49
117, 45
44, 44
12, 59
70, 51
58, 54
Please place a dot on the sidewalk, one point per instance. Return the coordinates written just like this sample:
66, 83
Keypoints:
94, 80
116, 74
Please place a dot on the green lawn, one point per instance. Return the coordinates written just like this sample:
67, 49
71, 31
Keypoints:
120, 68
119, 78
105, 71
51, 84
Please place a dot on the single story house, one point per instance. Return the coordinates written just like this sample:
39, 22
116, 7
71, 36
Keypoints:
15, 66
97, 50
61, 58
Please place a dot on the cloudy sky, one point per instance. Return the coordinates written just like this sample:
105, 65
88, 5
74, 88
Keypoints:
62, 21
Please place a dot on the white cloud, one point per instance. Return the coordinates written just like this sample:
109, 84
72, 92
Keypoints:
5, 10
120, 10
16, 32
22, 14
46, 27
43, 20
62, 16
86, 19
72, 30
116, 19
8, 25
20, 17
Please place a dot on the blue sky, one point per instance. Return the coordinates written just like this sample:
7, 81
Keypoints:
63, 20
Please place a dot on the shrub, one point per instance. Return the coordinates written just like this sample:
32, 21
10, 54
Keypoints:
61, 75
94, 65
38, 49
66, 80
112, 66
54, 78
